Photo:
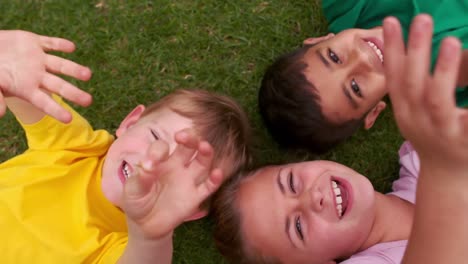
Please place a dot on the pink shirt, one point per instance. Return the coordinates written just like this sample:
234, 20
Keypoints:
405, 188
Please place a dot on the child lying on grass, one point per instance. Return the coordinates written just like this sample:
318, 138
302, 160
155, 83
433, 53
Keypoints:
318, 95
77, 195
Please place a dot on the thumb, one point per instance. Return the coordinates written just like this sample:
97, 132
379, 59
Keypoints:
139, 195
136, 187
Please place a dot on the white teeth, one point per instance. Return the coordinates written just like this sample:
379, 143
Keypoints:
334, 184
338, 199
337, 191
126, 171
377, 50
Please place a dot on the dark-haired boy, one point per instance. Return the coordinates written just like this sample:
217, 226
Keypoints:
320, 94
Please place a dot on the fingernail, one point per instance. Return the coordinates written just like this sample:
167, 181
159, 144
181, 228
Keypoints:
450, 47
390, 25
422, 23
85, 73
182, 135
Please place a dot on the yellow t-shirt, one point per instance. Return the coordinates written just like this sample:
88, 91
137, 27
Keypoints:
52, 209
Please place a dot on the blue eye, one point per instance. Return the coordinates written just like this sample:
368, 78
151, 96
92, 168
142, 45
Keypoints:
355, 87
299, 228
155, 135
291, 182
332, 55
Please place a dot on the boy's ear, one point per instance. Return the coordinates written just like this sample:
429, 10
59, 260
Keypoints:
199, 214
130, 119
312, 41
370, 118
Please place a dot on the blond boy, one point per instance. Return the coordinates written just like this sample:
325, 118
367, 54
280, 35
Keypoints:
77, 195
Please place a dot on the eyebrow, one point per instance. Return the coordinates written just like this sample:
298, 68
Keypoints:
288, 222
322, 58
350, 97
278, 180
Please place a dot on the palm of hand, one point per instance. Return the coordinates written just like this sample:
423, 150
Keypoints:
423, 102
28, 72
156, 201
25, 81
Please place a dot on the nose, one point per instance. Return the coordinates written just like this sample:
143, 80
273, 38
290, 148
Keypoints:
358, 60
312, 200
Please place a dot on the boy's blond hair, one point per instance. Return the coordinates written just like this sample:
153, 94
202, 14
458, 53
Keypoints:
217, 119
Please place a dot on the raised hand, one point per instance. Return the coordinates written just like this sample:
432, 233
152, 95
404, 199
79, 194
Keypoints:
168, 189
424, 103
28, 72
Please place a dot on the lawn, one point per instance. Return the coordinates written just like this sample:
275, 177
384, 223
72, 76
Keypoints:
140, 51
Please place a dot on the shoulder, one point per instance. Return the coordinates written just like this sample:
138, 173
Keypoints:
405, 186
409, 159
383, 253
78, 135
342, 15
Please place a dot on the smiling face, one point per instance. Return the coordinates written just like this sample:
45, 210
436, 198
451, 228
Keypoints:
311, 212
347, 71
134, 137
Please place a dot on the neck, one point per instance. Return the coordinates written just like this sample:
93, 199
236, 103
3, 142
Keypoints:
393, 220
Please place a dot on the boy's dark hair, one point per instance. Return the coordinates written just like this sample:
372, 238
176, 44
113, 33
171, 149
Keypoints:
290, 107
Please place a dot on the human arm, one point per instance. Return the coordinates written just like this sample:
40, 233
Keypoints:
27, 76
426, 113
166, 190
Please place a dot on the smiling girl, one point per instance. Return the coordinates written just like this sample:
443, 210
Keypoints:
318, 212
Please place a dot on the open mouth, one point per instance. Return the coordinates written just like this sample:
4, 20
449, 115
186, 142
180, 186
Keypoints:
376, 49
341, 196
125, 171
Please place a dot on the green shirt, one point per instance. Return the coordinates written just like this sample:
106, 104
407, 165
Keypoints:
450, 19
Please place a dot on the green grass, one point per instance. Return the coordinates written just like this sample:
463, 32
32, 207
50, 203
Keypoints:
142, 50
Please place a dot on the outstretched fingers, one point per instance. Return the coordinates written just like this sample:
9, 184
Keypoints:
211, 183
49, 106
157, 153
439, 98
394, 50
57, 85
203, 161
59, 65
145, 174
195, 155
418, 56
56, 44
205, 154
187, 146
